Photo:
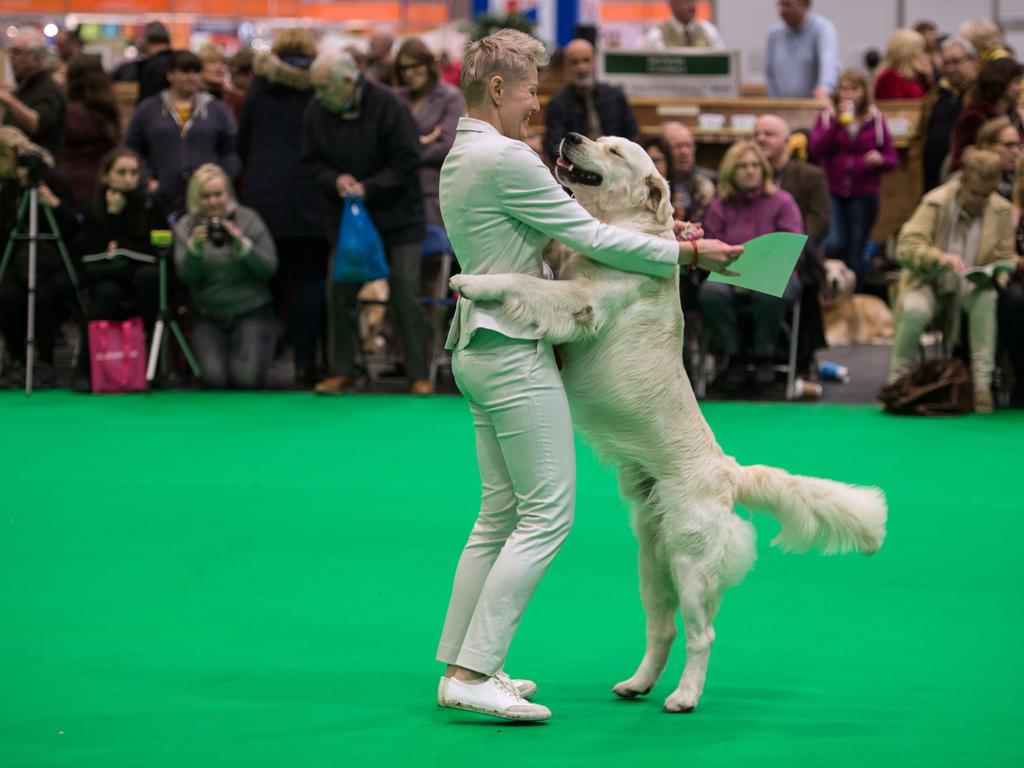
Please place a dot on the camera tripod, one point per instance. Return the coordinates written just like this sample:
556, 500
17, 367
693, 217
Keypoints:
30, 205
162, 238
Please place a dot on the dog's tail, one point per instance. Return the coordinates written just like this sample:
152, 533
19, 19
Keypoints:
814, 513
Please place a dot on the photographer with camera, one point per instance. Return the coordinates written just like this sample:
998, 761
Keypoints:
23, 163
225, 253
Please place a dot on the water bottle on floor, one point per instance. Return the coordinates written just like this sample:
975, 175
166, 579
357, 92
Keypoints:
833, 372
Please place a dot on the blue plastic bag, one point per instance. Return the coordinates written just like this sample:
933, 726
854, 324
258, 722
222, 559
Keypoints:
359, 256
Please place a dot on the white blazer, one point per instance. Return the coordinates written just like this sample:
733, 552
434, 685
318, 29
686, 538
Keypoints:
501, 206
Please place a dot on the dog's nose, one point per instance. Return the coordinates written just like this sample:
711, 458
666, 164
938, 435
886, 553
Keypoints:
573, 138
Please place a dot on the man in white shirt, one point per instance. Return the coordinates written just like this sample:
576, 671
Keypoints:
683, 30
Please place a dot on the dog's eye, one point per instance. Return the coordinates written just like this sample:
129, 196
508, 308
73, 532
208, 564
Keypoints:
615, 152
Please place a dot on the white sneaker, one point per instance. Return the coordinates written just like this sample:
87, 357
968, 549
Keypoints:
494, 696
526, 688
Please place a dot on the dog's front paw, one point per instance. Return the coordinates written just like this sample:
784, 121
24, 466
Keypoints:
630, 689
476, 287
681, 700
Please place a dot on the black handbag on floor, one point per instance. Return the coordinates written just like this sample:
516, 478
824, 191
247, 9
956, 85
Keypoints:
933, 388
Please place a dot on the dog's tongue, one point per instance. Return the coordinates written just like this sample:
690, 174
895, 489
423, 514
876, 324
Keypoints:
563, 164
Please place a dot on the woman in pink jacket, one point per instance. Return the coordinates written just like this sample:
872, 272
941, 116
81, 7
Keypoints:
852, 143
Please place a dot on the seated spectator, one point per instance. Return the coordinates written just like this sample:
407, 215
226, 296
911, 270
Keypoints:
986, 38
1001, 136
683, 30
995, 93
801, 58
36, 106
906, 70
180, 129
1010, 310
693, 187
92, 126
749, 205
152, 70
584, 105
961, 224
660, 152
279, 189
225, 253
436, 107
53, 285
940, 110
851, 141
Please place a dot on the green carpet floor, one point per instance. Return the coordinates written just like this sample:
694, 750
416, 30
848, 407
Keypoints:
259, 580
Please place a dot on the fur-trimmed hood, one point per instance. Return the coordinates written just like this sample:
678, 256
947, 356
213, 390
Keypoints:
292, 71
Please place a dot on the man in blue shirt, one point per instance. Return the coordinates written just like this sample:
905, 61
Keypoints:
802, 54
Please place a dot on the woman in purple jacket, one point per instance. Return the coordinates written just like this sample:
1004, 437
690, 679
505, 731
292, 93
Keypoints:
851, 141
749, 205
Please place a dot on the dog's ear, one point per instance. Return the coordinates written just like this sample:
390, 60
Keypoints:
659, 200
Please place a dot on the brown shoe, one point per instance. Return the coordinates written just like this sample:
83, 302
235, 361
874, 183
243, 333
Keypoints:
333, 385
421, 387
983, 401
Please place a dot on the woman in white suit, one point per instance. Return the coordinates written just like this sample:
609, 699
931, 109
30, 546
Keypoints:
501, 206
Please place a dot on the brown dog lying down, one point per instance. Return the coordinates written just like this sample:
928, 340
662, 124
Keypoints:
851, 318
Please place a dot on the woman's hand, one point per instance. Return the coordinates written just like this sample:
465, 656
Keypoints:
686, 230
197, 238
874, 158
952, 262
112, 246
232, 229
712, 255
116, 202
430, 138
47, 197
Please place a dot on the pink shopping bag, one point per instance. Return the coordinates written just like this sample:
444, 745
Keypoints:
117, 352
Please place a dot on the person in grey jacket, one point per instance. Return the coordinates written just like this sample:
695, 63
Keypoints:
225, 253
181, 128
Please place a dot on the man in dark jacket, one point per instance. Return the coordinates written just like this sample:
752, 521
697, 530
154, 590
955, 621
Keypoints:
37, 105
181, 128
584, 105
359, 140
156, 44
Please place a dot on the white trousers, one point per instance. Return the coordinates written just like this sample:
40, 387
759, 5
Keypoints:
527, 462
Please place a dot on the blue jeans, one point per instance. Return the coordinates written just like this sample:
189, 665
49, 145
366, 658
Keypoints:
852, 220
234, 351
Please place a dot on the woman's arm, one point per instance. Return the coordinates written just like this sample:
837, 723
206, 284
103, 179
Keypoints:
435, 152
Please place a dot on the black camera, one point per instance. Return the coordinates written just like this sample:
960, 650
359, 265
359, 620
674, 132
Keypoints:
216, 232
33, 163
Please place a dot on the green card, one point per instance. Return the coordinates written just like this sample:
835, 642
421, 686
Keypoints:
766, 263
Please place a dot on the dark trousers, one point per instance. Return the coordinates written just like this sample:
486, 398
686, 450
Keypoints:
404, 282
53, 294
1011, 331
299, 293
852, 220
719, 303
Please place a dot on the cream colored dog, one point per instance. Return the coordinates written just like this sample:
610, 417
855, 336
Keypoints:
621, 338
372, 314
851, 318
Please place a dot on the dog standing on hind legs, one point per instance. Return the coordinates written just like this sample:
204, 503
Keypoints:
621, 340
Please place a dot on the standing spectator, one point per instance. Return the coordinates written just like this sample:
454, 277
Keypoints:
213, 74
156, 47
1010, 311
1000, 136
278, 188
380, 63
932, 46
37, 105
436, 107
180, 129
451, 71
53, 287
801, 57
584, 105
240, 69
986, 38
851, 141
92, 126
68, 45
659, 151
906, 70
693, 187
961, 224
683, 30
120, 215
359, 139
995, 93
225, 253
929, 145
749, 205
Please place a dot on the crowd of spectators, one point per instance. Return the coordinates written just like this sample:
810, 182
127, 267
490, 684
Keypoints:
299, 131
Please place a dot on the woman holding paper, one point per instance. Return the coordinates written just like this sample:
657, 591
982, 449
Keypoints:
748, 205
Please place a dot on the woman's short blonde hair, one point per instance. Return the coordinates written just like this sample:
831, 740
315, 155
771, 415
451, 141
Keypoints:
294, 40
903, 52
983, 34
203, 174
727, 170
507, 53
13, 140
211, 52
